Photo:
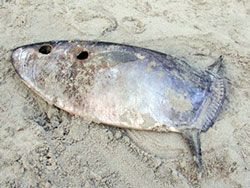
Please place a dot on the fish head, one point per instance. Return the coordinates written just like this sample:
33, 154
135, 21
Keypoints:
44, 66
29, 58
43, 60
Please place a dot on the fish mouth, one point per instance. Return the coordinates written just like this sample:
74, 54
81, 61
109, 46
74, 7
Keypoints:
14, 59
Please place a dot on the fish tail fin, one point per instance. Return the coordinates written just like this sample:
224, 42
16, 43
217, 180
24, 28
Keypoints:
215, 100
213, 103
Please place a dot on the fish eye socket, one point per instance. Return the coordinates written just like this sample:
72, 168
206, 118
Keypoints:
82, 55
45, 49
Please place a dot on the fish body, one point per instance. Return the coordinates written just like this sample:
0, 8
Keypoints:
124, 86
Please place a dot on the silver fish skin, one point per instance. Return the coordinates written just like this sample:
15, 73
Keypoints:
124, 86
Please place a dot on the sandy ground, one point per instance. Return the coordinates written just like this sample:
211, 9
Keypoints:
41, 146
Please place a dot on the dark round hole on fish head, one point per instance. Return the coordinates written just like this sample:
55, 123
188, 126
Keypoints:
83, 55
45, 49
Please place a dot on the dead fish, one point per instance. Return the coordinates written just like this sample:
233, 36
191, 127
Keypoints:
124, 86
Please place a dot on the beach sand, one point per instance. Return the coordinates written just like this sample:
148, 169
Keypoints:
42, 146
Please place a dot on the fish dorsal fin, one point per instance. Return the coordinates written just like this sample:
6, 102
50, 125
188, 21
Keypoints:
215, 68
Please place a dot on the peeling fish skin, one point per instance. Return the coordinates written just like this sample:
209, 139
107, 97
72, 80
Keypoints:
123, 85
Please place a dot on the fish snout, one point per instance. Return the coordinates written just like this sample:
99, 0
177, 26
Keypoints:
19, 59
15, 56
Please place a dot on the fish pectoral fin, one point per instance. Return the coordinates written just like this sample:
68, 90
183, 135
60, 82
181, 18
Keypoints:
192, 136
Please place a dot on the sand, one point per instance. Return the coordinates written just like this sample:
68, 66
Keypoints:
41, 146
